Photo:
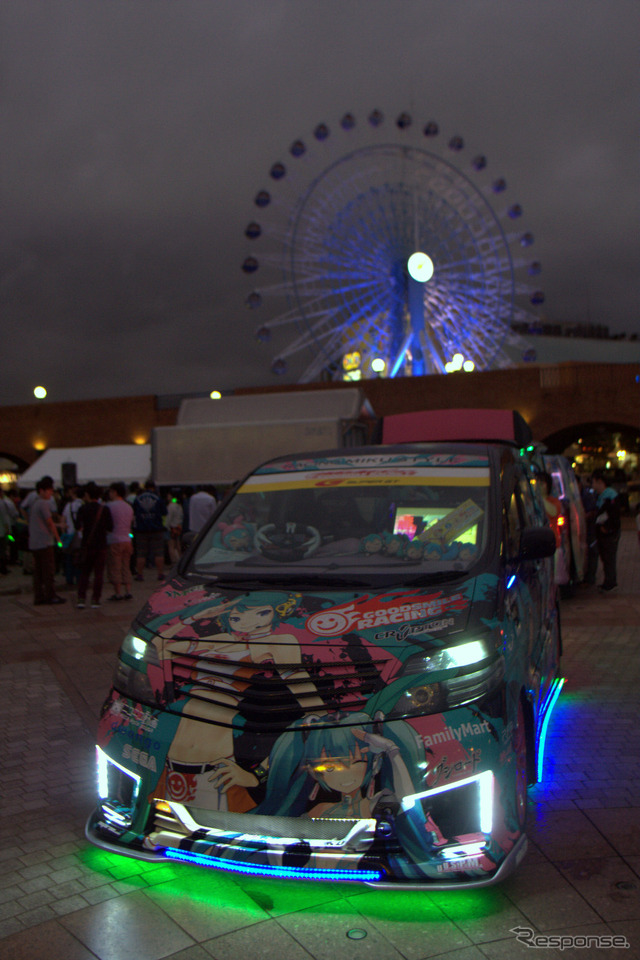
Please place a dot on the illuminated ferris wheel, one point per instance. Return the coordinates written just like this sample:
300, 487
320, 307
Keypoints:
390, 260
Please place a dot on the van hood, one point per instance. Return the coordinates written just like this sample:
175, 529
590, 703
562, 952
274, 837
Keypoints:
400, 621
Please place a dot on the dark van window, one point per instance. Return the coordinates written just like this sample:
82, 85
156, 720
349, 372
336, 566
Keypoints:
531, 513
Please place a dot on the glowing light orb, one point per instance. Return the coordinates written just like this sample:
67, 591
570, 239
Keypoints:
378, 365
215, 395
40, 393
351, 361
420, 267
454, 364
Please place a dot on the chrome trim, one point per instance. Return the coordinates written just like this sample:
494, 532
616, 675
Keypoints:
507, 866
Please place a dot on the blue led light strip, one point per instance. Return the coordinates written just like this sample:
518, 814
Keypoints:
547, 709
296, 873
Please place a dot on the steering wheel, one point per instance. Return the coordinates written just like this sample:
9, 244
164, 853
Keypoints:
286, 542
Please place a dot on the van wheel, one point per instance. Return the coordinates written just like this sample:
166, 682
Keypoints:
519, 747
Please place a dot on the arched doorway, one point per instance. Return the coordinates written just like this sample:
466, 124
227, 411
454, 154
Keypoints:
604, 444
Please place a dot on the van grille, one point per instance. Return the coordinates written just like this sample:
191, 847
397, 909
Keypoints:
271, 694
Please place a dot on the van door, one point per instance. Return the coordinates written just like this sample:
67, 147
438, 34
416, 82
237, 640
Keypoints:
528, 582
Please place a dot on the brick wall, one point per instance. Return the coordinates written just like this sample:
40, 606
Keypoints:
551, 398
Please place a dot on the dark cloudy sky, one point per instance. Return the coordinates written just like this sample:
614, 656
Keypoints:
135, 134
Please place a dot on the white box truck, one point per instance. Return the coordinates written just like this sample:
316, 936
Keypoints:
219, 441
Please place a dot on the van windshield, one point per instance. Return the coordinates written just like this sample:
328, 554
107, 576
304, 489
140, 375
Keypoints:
381, 518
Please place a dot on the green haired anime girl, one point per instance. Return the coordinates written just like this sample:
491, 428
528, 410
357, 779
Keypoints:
201, 762
360, 764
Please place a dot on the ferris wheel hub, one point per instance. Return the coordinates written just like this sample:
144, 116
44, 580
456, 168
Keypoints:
420, 267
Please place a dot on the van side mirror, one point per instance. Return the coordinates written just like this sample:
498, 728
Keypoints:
536, 543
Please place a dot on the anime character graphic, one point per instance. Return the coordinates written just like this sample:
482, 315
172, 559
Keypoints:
395, 544
350, 766
237, 535
415, 550
201, 765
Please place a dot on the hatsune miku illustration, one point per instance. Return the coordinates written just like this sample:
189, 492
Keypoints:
217, 668
351, 766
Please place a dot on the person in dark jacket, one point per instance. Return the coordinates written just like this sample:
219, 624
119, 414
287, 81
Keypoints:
149, 510
607, 528
95, 522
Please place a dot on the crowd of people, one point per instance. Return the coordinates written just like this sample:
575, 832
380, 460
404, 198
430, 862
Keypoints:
85, 532
603, 509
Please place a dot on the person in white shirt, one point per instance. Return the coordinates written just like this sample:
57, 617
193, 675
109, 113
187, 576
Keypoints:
119, 542
202, 506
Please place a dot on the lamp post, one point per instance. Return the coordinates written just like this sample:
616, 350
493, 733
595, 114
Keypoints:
39, 441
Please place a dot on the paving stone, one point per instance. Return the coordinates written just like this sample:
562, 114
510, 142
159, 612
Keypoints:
11, 853
48, 940
36, 856
62, 876
97, 895
69, 905
39, 883
10, 908
200, 953
242, 943
37, 870
12, 893
67, 889
127, 927
9, 927
32, 918
38, 899
10, 878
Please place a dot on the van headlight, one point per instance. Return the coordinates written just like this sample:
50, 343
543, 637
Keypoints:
131, 678
451, 677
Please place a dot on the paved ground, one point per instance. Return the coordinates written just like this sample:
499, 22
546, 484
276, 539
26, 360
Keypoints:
64, 899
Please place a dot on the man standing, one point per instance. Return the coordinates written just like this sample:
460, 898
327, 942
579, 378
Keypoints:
94, 520
43, 533
25, 507
119, 542
607, 528
149, 510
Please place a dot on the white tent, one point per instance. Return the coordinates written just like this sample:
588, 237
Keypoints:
103, 465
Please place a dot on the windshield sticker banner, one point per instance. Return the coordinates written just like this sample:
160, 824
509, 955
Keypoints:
377, 460
463, 477
374, 612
